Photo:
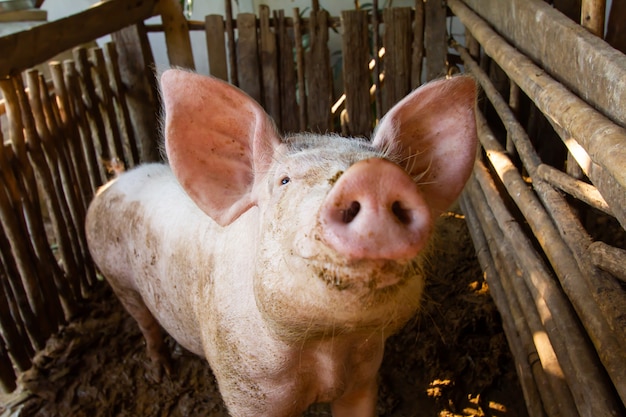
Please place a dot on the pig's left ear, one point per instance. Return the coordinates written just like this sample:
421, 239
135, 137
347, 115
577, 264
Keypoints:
433, 133
218, 140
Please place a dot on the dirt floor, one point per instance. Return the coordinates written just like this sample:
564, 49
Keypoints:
451, 360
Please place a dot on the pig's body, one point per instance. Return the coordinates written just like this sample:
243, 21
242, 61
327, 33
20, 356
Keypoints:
266, 268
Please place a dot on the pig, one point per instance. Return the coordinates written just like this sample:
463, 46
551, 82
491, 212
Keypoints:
285, 261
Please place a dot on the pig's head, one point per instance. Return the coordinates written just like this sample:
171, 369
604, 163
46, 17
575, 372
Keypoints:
341, 224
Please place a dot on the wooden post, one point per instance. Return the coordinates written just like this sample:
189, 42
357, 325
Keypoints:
216, 46
269, 66
397, 41
435, 39
592, 16
318, 73
248, 67
356, 74
302, 99
176, 31
418, 45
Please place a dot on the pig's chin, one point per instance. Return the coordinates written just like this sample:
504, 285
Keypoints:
327, 299
362, 275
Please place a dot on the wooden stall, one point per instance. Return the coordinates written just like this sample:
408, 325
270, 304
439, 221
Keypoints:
546, 204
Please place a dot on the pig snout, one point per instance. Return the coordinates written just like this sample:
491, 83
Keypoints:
375, 211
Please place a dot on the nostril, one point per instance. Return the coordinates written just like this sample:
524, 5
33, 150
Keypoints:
351, 212
403, 215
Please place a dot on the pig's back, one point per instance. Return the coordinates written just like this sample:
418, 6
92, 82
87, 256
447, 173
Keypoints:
136, 228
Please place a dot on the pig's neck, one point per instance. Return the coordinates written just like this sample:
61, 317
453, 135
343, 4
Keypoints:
244, 348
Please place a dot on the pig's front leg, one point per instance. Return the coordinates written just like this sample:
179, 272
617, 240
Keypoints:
359, 402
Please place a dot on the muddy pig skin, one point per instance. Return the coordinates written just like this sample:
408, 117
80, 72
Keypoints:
285, 261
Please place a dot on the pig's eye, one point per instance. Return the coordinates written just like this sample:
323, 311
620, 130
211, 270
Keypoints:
285, 181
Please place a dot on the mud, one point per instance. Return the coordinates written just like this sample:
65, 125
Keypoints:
451, 360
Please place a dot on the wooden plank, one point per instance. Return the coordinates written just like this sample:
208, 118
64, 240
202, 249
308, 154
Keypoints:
248, 66
177, 40
418, 45
288, 103
435, 39
136, 63
216, 46
356, 73
269, 66
318, 74
46, 41
397, 41
595, 71
232, 51
300, 68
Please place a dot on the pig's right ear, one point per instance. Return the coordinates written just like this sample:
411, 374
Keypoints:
218, 141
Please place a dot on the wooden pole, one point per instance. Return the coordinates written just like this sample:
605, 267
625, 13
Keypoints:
592, 16
176, 32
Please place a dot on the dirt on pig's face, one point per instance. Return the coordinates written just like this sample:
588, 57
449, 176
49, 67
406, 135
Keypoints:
303, 287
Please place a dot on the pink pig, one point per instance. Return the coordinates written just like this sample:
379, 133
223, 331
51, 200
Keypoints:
286, 262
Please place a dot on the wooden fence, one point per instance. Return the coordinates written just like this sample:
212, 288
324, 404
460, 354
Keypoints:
546, 202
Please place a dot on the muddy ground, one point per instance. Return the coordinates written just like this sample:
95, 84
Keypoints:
451, 360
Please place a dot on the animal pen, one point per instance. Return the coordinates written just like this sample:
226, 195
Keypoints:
546, 204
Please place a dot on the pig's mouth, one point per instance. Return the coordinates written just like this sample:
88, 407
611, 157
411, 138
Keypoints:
369, 275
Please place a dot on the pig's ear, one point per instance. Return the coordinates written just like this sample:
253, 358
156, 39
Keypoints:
433, 133
218, 141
